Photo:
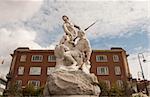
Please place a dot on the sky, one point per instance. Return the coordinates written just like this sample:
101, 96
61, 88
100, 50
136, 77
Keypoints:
37, 24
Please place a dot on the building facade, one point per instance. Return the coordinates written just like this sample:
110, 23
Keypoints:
34, 66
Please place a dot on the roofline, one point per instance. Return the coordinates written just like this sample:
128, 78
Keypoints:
26, 49
106, 50
53, 51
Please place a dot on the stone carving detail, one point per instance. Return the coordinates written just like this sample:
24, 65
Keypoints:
72, 72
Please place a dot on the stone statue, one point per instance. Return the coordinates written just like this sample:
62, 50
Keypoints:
80, 54
72, 73
64, 46
71, 56
69, 28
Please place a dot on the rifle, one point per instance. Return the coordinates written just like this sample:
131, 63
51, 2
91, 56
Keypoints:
90, 25
86, 28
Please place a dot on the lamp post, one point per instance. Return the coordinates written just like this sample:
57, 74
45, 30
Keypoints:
145, 85
139, 75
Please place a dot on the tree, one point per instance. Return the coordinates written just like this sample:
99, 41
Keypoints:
116, 91
31, 90
15, 90
128, 90
28, 90
104, 88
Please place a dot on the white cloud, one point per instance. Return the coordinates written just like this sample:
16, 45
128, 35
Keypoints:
10, 39
16, 10
116, 17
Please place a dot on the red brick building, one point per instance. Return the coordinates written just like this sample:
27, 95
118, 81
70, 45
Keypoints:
33, 66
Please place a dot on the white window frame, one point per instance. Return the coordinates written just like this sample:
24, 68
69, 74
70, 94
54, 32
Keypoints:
120, 83
98, 58
108, 83
35, 60
115, 58
50, 70
33, 71
106, 70
51, 58
37, 83
23, 58
21, 70
117, 70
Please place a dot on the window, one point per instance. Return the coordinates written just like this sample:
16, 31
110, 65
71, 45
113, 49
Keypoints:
20, 70
101, 58
51, 58
108, 83
50, 70
119, 83
117, 70
115, 58
19, 82
23, 58
35, 83
35, 71
102, 71
37, 58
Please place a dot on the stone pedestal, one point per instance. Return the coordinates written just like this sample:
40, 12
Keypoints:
71, 84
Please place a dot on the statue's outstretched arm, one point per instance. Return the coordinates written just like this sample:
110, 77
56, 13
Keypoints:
77, 27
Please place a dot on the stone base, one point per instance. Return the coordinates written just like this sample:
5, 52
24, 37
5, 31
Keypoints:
73, 96
71, 84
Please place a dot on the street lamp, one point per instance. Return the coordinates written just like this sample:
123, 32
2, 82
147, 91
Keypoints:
139, 74
142, 71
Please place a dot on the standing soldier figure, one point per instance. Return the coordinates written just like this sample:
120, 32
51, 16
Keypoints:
69, 28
